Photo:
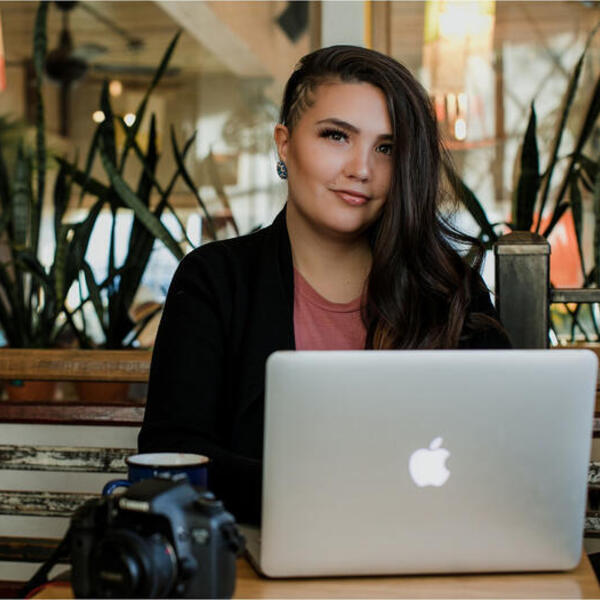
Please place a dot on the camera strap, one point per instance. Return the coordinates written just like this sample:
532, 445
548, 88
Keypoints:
40, 577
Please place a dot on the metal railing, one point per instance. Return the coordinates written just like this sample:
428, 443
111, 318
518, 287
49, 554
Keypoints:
523, 291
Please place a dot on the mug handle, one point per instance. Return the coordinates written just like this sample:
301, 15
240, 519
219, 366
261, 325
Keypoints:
111, 486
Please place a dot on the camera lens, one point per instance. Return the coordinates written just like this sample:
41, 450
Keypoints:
128, 565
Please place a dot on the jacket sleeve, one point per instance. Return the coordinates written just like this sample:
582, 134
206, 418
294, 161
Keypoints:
186, 409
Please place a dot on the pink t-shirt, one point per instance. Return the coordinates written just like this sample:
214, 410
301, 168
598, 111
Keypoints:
323, 325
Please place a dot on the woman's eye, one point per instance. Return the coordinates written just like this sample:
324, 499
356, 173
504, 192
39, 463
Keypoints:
385, 149
334, 134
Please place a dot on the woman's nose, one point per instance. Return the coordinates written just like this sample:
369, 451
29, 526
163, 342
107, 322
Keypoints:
357, 165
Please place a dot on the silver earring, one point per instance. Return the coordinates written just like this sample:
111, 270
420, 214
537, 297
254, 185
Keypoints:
281, 169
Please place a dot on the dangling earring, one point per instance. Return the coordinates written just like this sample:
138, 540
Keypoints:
281, 169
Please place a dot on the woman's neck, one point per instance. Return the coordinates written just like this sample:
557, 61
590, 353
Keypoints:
336, 267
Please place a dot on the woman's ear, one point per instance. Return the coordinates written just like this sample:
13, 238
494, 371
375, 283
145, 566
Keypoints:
281, 136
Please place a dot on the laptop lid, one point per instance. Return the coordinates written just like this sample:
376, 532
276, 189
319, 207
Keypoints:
397, 462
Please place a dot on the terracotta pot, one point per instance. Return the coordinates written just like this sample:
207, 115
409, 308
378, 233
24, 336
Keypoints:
102, 392
30, 391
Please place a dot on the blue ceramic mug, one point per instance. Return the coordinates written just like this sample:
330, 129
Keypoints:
146, 466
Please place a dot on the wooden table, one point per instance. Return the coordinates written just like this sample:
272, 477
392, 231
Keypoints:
580, 583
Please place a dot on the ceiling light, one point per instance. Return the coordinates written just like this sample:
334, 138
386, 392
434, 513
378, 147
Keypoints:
115, 87
129, 119
460, 130
98, 116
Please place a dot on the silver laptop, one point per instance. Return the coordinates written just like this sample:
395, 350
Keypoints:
424, 461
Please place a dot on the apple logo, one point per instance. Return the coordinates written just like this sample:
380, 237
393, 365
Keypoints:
427, 465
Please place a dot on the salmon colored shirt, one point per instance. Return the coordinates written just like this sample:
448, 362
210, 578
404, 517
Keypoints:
323, 325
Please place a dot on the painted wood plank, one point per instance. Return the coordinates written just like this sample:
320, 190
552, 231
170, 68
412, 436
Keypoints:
26, 549
75, 365
41, 504
71, 414
62, 458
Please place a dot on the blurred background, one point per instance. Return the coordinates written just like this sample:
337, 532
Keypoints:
483, 63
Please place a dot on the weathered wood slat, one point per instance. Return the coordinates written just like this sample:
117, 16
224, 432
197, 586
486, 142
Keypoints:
62, 458
75, 365
592, 523
21, 549
594, 473
41, 504
71, 414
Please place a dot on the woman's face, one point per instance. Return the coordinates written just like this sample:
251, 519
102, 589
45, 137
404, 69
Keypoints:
338, 158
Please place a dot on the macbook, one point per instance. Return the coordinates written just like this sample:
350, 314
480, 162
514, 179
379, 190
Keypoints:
413, 462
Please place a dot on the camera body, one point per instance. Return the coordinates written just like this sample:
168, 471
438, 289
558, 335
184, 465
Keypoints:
161, 538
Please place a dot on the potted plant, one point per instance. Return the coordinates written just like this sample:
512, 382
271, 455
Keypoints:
534, 187
31, 295
112, 299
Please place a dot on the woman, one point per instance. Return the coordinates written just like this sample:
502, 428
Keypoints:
358, 258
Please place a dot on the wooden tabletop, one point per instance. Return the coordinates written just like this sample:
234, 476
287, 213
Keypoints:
580, 583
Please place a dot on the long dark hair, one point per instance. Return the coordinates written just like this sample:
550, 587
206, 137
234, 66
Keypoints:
419, 289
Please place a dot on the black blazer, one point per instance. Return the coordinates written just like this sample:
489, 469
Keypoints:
229, 306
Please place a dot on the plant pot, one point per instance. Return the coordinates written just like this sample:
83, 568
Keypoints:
30, 391
103, 392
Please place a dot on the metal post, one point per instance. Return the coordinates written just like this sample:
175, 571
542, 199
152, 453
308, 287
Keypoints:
523, 287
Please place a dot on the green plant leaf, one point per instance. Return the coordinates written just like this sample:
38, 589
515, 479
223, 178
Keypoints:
577, 211
164, 193
59, 265
61, 197
529, 179
596, 205
139, 115
12, 310
21, 201
94, 294
469, 200
93, 186
586, 129
556, 216
558, 134
89, 163
29, 262
107, 127
140, 327
39, 56
589, 166
4, 185
148, 176
213, 172
42, 305
140, 210
141, 240
191, 185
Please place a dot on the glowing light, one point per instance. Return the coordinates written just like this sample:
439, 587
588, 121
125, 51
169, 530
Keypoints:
460, 129
458, 19
458, 50
98, 116
129, 119
462, 104
115, 87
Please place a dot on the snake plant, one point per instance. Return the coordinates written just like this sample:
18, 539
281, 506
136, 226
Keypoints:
113, 297
31, 295
535, 187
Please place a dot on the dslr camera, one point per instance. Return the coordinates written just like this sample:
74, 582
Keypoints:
162, 538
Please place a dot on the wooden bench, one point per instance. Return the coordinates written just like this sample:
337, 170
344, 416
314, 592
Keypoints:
56, 454
73, 452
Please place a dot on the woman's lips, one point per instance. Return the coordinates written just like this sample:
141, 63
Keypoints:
352, 199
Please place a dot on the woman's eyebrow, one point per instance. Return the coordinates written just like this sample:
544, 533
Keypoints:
352, 128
